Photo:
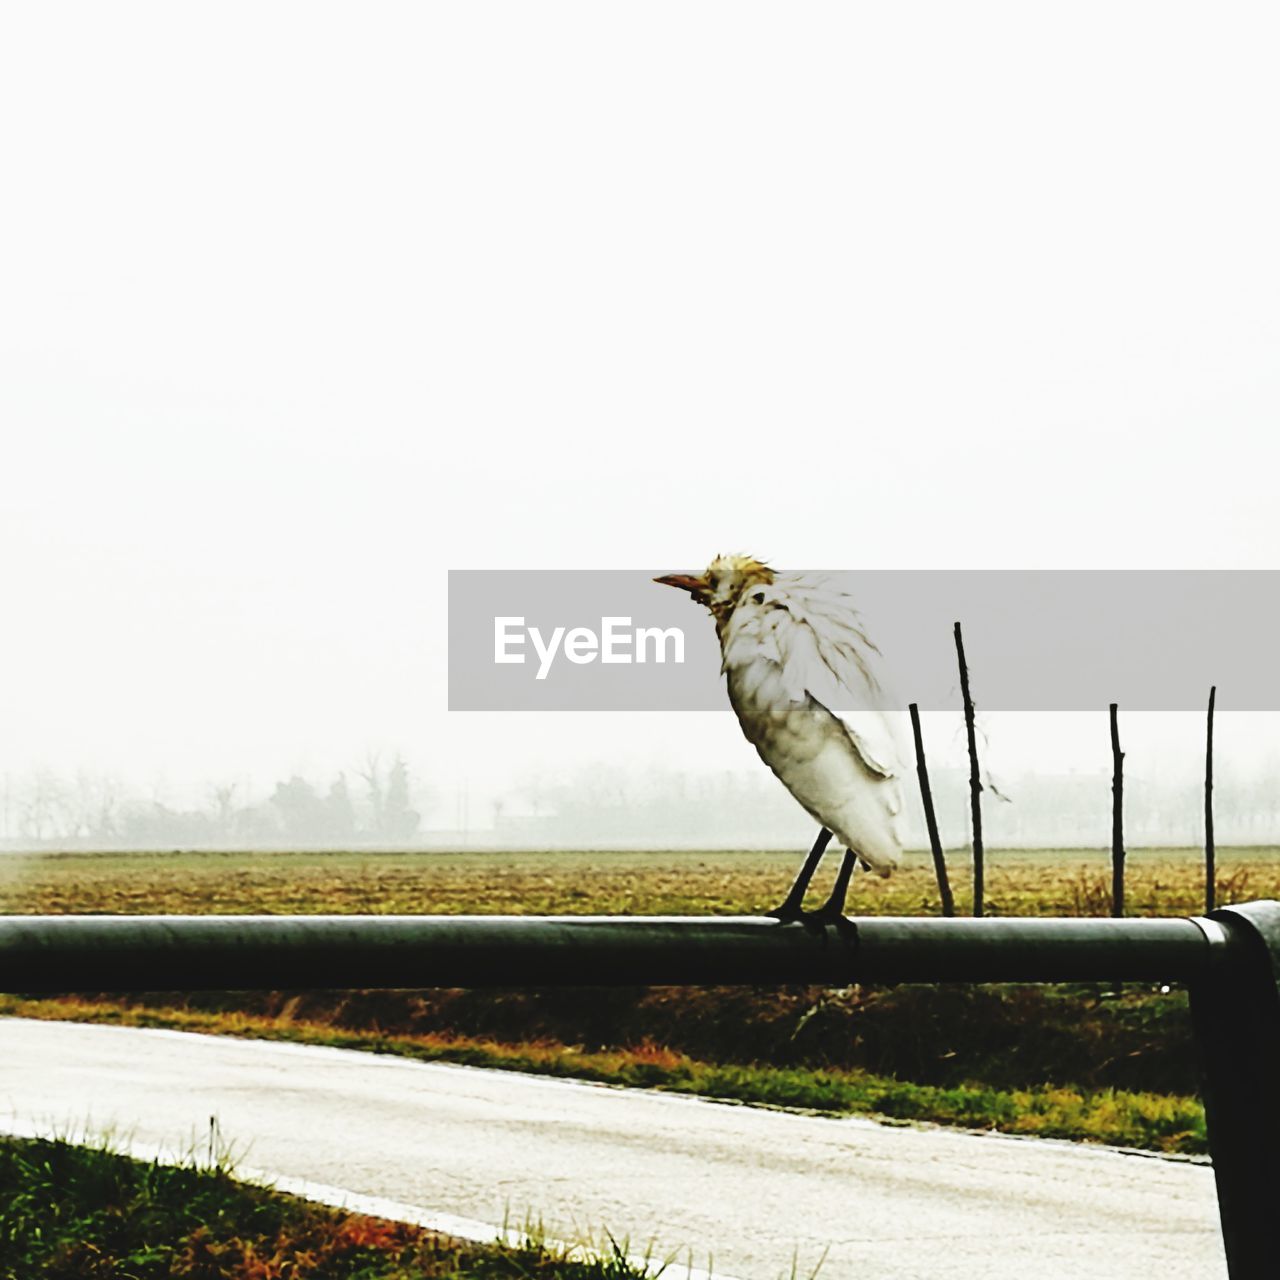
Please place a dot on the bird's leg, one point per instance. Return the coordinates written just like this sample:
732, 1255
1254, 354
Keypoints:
832, 911
792, 903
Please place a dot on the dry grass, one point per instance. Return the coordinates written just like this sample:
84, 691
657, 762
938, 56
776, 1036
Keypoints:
1019, 882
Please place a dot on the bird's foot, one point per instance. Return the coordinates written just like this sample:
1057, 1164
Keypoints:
832, 911
790, 912
829, 914
792, 909
813, 921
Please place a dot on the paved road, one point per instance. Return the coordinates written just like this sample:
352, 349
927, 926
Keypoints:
756, 1190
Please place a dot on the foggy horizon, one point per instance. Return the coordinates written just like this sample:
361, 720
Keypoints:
262, 398
393, 800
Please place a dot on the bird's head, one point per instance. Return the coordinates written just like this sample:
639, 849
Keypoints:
723, 583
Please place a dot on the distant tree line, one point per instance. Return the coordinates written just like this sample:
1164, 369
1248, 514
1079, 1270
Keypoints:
378, 803
45, 809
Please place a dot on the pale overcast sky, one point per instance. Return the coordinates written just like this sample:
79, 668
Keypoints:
302, 305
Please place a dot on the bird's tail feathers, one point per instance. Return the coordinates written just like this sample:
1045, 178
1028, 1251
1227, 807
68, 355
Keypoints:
880, 864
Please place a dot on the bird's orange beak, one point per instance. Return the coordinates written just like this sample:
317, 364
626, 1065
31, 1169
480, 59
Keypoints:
696, 587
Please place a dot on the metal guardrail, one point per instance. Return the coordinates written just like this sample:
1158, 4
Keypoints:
1229, 961
142, 953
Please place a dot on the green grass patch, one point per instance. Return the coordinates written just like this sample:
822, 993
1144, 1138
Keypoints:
1150, 1121
81, 1213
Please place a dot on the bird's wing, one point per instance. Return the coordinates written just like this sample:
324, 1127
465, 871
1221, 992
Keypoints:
815, 636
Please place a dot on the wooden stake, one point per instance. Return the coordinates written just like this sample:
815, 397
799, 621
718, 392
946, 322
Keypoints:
1210, 853
930, 818
975, 781
1117, 817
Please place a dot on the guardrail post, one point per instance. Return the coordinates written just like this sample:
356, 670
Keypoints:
1236, 1012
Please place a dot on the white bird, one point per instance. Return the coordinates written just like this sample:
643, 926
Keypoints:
800, 672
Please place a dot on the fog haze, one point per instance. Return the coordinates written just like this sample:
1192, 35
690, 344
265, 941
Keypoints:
304, 305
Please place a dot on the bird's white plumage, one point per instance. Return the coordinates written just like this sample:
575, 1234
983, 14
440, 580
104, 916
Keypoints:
803, 678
